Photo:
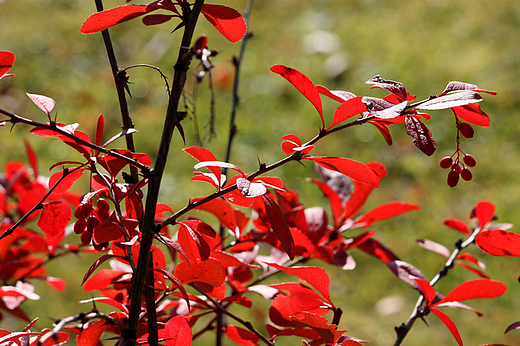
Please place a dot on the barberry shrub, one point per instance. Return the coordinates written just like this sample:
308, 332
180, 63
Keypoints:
172, 277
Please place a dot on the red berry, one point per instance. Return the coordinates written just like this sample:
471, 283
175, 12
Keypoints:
91, 223
86, 237
80, 226
453, 178
85, 210
455, 167
446, 162
102, 204
469, 160
102, 214
466, 174
466, 130
77, 212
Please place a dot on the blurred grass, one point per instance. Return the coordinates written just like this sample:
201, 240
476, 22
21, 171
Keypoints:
340, 44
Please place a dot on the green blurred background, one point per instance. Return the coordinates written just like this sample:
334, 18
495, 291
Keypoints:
339, 44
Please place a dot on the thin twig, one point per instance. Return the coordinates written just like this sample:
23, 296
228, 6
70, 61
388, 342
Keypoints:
404, 328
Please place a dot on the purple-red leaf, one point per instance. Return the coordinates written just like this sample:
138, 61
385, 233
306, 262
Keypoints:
512, 326
422, 137
406, 272
303, 84
249, 189
391, 86
279, 225
353, 169
226, 20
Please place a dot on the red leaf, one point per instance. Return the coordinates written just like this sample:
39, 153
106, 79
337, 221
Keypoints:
315, 276
194, 246
474, 289
457, 225
335, 201
209, 272
56, 283
328, 333
33, 159
347, 110
385, 211
279, 225
426, 289
103, 279
99, 129
94, 266
303, 84
449, 323
70, 177
384, 131
377, 249
337, 95
54, 218
105, 19
353, 169
6, 62
108, 230
484, 211
46, 104
499, 243
204, 155
91, 335
362, 191
472, 114
177, 332
226, 20
242, 336
222, 210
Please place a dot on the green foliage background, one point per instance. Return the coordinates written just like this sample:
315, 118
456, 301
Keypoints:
339, 44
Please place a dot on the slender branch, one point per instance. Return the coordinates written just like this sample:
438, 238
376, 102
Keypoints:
171, 121
246, 324
404, 328
52, 126
121, 80
82, 318
236, 100
39, 205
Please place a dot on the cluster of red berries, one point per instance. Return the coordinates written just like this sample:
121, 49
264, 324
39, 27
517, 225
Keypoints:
458, 168
88, 218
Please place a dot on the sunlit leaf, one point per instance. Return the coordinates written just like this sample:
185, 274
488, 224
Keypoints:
54, 218
226, 20
499, 243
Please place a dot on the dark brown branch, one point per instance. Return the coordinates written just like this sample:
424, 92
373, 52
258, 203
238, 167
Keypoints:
172, 120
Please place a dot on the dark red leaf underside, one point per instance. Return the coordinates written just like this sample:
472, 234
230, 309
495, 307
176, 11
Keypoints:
279, 225
422, 137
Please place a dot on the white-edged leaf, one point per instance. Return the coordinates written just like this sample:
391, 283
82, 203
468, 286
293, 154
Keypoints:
46, 104
451, 100
120, 134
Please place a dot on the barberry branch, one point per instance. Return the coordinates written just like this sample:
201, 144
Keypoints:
418, 312
14, 119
